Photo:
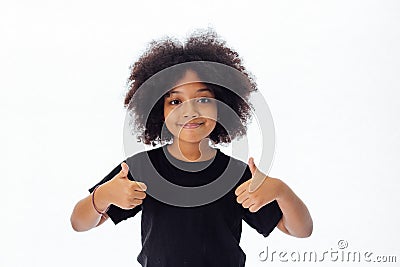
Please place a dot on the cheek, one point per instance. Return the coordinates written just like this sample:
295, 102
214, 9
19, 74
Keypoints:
169, 116
167, 112
211, 113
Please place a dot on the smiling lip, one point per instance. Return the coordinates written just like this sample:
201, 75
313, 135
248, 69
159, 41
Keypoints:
191, 125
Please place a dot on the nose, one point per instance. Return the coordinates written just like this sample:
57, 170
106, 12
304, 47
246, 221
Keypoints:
190, 109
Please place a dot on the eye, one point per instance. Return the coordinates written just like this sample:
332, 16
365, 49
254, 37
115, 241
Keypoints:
172, 102
205, 100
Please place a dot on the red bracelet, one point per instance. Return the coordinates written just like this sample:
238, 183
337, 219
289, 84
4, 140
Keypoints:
94, 206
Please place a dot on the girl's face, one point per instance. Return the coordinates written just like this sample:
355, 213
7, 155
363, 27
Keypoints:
190, 110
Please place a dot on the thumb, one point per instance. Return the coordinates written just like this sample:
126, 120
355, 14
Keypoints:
252, 166
124, 171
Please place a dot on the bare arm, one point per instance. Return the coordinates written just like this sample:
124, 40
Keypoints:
119, 191
84, 217
296, 219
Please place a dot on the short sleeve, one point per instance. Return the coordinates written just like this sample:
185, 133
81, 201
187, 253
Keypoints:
266, 218
115, 213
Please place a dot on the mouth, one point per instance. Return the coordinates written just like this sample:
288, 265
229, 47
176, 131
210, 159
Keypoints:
191, 125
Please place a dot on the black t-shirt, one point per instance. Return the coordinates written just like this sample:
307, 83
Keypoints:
205, 235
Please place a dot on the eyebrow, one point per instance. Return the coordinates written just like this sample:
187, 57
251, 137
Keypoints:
198, 91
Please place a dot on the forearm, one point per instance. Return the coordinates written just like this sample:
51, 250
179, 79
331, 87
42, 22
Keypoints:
84, 217
296, 218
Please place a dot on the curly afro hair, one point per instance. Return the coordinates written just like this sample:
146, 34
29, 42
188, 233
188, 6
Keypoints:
200, 46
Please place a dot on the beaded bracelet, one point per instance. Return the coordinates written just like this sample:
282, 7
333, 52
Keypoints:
94, 206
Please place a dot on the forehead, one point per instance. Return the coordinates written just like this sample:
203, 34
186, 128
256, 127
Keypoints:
190, 84
189, 76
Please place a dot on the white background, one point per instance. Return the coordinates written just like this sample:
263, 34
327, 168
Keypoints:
329, 71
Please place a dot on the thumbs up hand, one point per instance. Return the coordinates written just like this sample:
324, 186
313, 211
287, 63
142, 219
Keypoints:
122, 192
259, 190
257, 175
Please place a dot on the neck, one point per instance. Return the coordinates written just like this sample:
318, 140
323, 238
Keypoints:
191, 151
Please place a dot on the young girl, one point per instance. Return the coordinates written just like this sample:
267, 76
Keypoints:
186, 234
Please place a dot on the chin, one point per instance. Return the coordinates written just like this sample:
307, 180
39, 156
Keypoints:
189, 139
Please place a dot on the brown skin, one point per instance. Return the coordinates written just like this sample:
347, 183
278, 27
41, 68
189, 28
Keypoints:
192, 144
296, 219
188, 105
119, 191
201, 45
190, 102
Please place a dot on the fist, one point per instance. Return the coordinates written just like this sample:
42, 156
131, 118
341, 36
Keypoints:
257, 191
122, 192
